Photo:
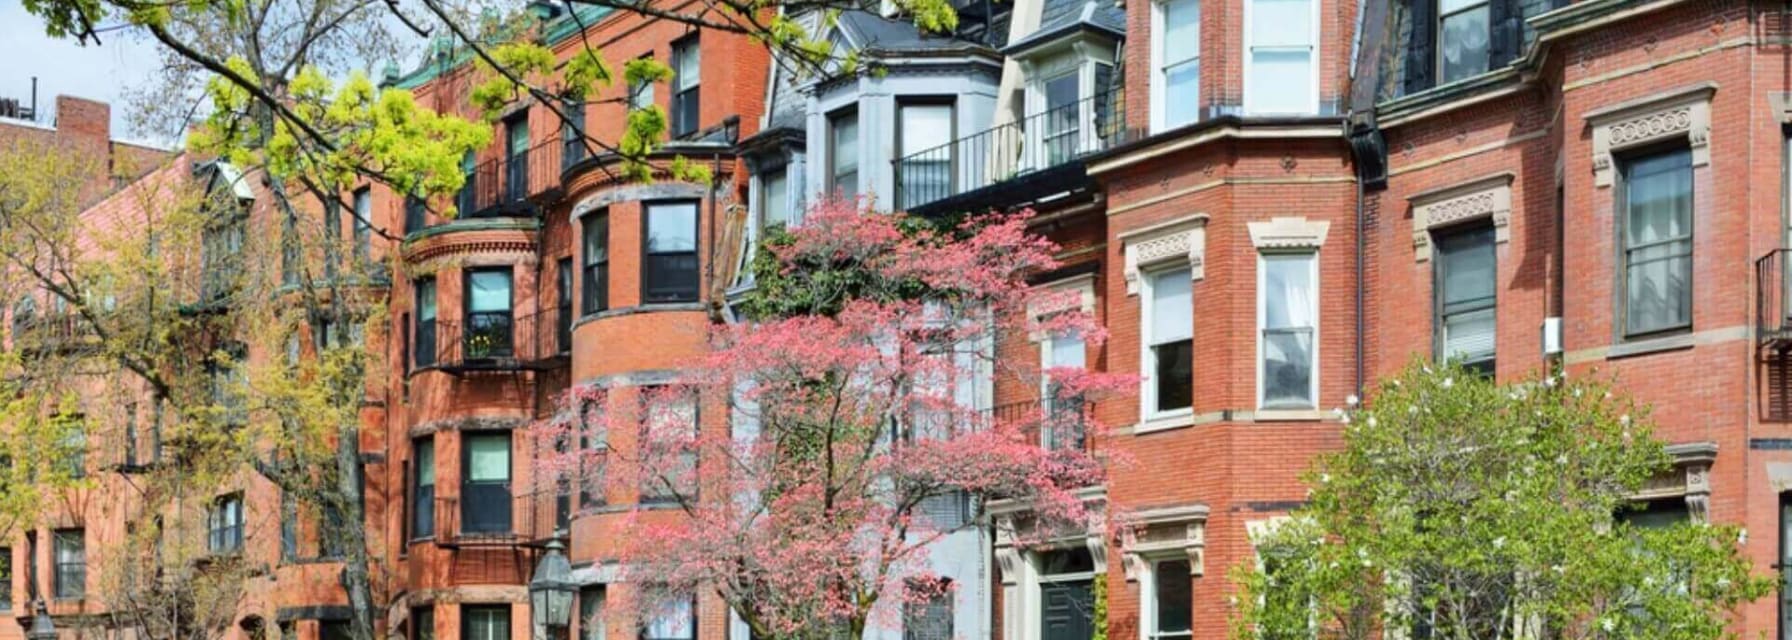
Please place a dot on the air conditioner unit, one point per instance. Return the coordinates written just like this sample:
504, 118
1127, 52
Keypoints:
1552, 336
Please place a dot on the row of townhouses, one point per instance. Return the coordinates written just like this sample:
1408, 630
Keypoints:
1268, 203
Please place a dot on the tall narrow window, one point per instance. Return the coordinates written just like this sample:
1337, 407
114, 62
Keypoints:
774, 199
516, 157
425, 342
70, 554
289, 527
1063, 119
423, 487
596, 293
674, 619
74, 446
670, 423
927, 615
488, 321
1463, 38
1465, 297
563, 304
467, 201
485, 483
591, 613
423, 623
225, 525
1288, 317
1785, 566
687, 66
1172, 600
1657, 207
5, 578
1177, 48
363, 224
1169, 339
670, 270
843, 153
926, 158
640, 94
485, 622
572, 133
1279, 61
416, 214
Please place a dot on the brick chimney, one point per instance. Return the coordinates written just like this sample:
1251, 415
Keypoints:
85, 120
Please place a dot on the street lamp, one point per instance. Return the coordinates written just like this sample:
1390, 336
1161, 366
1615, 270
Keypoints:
42, 628
550, 591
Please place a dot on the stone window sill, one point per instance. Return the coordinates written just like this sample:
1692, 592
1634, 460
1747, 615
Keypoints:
1650, 345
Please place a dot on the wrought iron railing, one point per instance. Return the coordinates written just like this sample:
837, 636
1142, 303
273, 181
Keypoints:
1773, 315
1061, 423
494, 516
52, 331
494, 341
1052, 138
503, 186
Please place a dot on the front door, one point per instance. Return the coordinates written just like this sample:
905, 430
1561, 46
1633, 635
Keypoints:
1068, 610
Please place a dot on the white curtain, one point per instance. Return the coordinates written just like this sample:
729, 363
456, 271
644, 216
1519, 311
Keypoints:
1172, 306
1281, 56
1659, 240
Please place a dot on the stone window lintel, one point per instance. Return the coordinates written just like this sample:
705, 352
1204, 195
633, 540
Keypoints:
1684, 112
1186, 529
1484, 197
1180, 240
1288, 233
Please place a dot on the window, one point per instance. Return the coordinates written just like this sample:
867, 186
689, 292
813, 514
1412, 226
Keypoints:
416, 214
640, 94
774, 198
5, 578
572, 133
1656, 514
516, 157
423, 623
289, 527
674, 619
1287, 317
467, 201
927, 615
563, 302
70, 548
229, 380
1465, 297
333, 630
671, 264
290, 244
1784, 567
423, 487
668, 416
221, 246
1172, 600
333, 536
1657, 216
485, 485
363, 225
224, 524
1463, 36
1177, 53
591, 613
686, 72
1062, 426
488, 332
843, 153
74, 446
924, 132
1169, 340
594, 445
485, 622
425, 341
596, 294
1063, 120
1280, 74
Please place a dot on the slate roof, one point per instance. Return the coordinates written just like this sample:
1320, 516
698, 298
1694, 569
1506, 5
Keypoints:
1061, 17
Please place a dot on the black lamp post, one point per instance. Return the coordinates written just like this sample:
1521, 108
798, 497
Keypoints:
42, 628
550, 591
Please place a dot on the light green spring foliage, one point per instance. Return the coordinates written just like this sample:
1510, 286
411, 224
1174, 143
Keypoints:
1487, 510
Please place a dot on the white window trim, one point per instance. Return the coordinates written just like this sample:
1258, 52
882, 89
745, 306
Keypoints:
1159, 80
1148, 594
1312, 256
1313, 60
1151, 419
1175, 244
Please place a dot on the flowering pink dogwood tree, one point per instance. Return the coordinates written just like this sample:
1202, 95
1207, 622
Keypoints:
855, 391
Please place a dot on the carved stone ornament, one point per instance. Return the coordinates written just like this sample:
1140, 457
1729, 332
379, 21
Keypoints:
1181, 240
1680, 113
1690, 479
1489, 197
1288, 233
1166, 533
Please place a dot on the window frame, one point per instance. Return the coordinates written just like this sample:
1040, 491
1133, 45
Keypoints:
1439, 282
641, 94
435, 313
1437, 40
467, 618
646, 397
572, 136
466, 480
1148, 406
419, 515
682, 47
510, 348
1160, 77
362, 224
423, 613
832, 174
1313, 53
6, 565
563, 295
516, 157
224, 535
950, 102
647, 256
1151, 606
690, 624
1621, 202
69, 578
588, 284
1314, 299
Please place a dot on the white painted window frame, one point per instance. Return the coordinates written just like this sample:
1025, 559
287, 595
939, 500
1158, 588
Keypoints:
1148, 412
1160, 81
1313, 57
1312, 256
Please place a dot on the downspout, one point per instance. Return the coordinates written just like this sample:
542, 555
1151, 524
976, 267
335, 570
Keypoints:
1368, 150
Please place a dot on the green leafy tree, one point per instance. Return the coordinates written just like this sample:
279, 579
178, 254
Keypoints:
1461, 508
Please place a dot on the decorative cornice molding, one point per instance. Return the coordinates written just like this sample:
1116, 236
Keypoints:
1288, 233
1683, 112
1487, 197
1183, 239
1169, 531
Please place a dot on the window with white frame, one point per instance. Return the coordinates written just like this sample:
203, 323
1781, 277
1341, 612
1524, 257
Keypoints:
1287, 317
774, 198
1062, 425
674, 619
686, 73
1280, 65
843, 153
1177, 52
1169, 330
1172, 600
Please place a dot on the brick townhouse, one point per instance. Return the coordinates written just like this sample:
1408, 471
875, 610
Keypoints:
1270, 204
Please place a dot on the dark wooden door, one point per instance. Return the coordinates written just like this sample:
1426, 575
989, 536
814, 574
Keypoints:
1067, 610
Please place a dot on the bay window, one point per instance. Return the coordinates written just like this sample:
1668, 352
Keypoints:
674, 619
224, 525
425, 335
1463, 39
924, 131
686, 73
1281, 75
1287, 320
485, 622
669, 272
423, 487
843, 153
774, 198
516, 157
488, 318
572, 133
70, 556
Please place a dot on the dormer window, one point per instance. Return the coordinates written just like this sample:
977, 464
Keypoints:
1462, 27
1176, 57
1281, 75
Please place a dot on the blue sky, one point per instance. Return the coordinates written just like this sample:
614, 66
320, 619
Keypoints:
63, 67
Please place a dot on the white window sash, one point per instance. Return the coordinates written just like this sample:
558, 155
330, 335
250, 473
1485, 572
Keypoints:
1313, 312
1148, 410
1160, 65
1311, 48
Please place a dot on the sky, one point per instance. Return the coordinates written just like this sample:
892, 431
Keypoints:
63, 67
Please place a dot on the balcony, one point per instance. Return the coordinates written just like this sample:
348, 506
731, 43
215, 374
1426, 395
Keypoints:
512, 186
495, 342
492, 517
1017, 162
57, 332
1773, 333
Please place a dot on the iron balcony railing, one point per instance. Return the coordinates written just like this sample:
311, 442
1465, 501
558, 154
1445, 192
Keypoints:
55, 331
494, 341
492, 516
503, 186
1061, 423
1773, 315
1052, 138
